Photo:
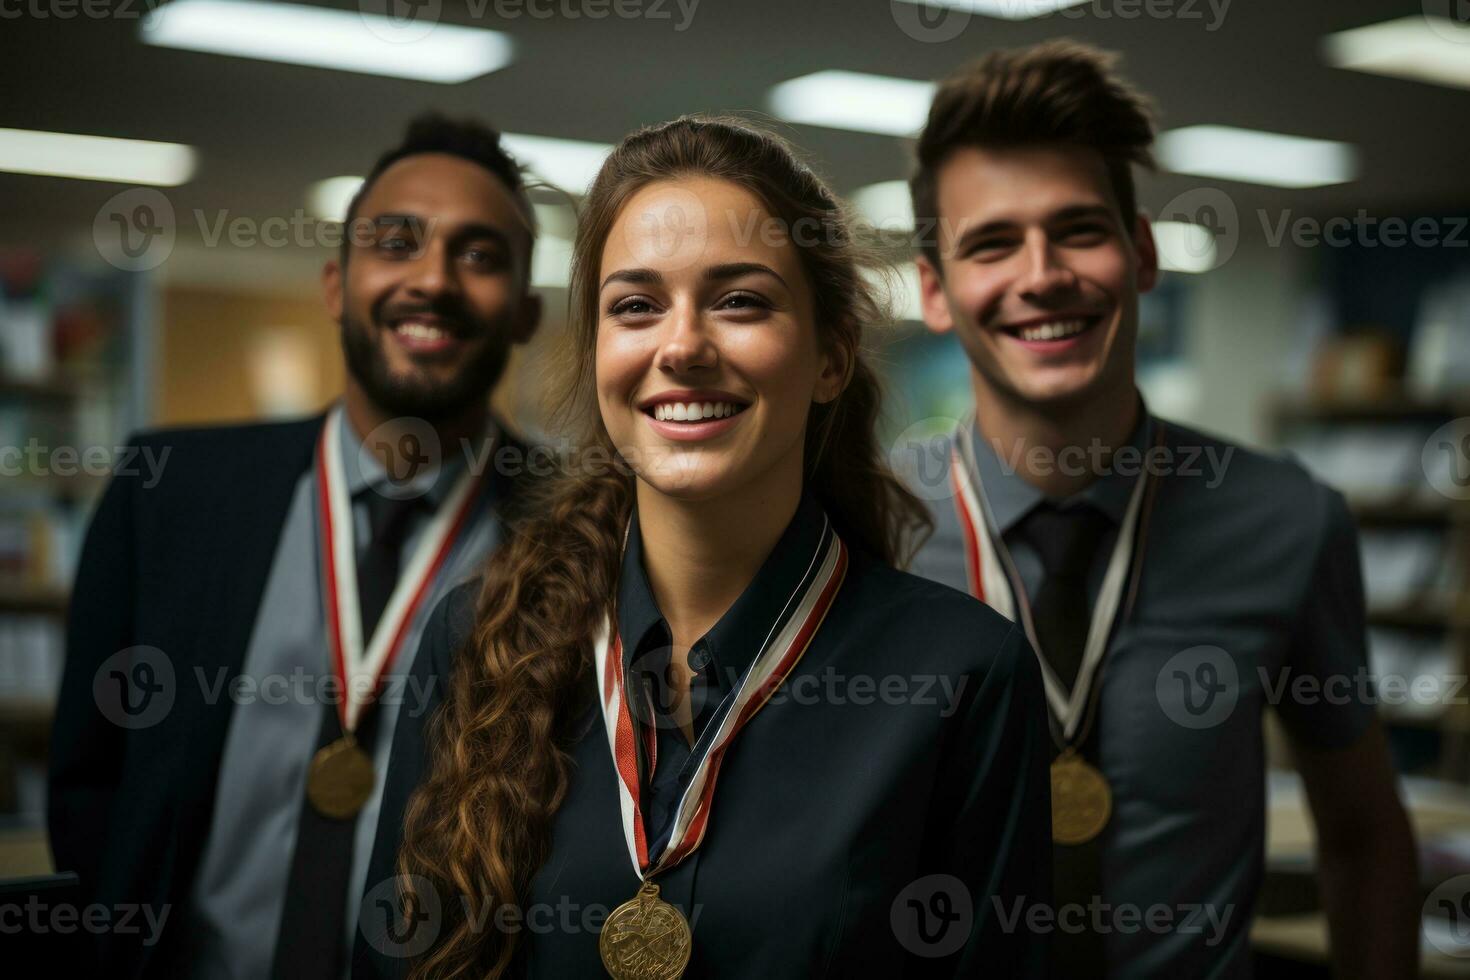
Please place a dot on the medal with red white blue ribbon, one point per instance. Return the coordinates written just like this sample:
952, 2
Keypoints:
341, 775
1081, 796
646, 936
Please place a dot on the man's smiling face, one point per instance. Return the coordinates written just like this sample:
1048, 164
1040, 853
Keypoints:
1040, 272
431, 301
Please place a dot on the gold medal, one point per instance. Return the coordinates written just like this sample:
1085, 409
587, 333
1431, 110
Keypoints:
1081, 800
645, 938
340, 779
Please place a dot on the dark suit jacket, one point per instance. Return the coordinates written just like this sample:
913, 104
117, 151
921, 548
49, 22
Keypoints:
181, 567
826, 809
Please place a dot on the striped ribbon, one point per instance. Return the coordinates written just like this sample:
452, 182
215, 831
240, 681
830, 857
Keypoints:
790, 637
994, 580
352, 658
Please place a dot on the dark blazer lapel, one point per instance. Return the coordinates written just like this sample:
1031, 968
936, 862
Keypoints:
260, 481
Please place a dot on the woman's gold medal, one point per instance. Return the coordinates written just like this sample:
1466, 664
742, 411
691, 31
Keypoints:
645, 938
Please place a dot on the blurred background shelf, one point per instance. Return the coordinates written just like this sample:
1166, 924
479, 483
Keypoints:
1408, 510
30, 713
1292, 925
56, 391
33, 599
73, 383
1393, 404
1378, 445
1430, 613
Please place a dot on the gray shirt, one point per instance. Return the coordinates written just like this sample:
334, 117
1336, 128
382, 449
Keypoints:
1250, 595
234, 908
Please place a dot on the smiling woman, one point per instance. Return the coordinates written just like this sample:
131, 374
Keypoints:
660, 750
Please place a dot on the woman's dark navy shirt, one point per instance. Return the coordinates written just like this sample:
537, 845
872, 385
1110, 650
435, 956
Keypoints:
887, 813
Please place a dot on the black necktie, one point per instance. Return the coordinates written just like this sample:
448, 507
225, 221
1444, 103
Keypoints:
310, 943
377, 573
1067, 542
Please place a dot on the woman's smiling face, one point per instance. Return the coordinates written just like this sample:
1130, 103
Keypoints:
708, 359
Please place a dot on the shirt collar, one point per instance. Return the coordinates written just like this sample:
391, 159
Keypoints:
1011, 498
364, 469
735, 641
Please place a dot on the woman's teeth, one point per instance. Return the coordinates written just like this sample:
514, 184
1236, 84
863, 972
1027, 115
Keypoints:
1055, 330
693, 411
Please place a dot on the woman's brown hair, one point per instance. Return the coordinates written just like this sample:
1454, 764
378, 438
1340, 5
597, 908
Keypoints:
479, 827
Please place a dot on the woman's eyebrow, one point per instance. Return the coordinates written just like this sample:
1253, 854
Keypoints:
733, 270
639, 277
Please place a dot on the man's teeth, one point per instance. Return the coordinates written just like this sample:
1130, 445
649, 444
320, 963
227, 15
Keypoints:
1055, 330
693, 411
420, 331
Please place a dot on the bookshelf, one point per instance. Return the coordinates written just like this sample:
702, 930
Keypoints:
22, 598
73, 332
1415, 544
1416, 554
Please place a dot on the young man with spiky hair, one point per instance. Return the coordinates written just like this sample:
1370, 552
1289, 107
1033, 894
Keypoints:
239, 632
1169, 581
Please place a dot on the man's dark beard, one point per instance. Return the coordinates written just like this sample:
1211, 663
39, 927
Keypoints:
433, 402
